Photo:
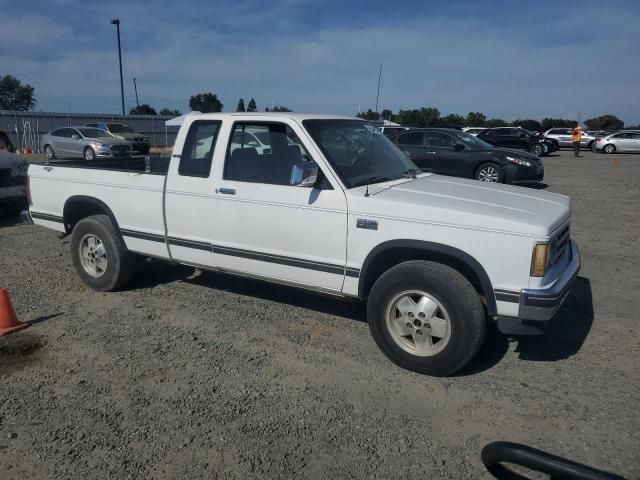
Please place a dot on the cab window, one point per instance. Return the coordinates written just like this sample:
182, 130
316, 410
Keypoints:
197, 153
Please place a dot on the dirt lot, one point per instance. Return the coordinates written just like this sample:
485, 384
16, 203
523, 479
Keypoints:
198, 375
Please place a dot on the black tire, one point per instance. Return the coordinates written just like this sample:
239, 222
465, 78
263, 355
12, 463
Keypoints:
609, 148
537, 150
121, 264
89, 154
448, 287
484, 172
49, 153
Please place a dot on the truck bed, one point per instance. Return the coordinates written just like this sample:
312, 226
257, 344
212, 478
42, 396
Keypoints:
158, 164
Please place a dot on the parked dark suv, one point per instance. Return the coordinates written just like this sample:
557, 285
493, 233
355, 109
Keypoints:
459, 154
520, 138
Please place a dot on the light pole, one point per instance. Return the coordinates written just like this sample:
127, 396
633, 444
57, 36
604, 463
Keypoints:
116, 22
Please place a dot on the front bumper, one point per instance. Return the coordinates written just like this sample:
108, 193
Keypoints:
102, 152
521, 174
537, 306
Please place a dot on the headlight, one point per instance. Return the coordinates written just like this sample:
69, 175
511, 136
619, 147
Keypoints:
539, 259
519, 161
103, 145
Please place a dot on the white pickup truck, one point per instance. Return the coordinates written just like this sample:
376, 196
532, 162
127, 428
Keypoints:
324, 203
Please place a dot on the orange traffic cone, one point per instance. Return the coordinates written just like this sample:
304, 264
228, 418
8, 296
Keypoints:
9, 322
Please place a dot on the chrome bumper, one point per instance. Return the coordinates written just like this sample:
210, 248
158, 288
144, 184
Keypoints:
543, 303
536, 306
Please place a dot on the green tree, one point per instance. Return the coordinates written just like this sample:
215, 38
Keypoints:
252, 106
369, 115
205, 103
419, 118
167, 112
14, 95
476, 119
240, 107
529, 124
387, 114
454, 120
496, 122
605, 122
143, 109
278, 108
548, 123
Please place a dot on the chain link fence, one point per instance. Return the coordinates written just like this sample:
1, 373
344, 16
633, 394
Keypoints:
25, 129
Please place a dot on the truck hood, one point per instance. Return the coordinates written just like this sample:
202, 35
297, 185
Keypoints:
109, 140
470, 203
129, 136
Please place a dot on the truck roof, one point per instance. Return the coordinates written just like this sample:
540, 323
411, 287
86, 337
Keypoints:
291, 115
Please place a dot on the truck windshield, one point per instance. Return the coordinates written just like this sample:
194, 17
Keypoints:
119, 128
359, 152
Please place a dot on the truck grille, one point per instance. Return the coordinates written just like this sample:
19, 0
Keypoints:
559, 245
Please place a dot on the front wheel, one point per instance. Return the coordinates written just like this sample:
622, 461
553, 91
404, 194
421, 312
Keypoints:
537, 150
426, 317
609, 148
49, 153
99, 254
490, 172
89, 154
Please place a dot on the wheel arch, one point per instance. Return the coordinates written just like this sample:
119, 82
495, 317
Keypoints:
78, 207
393, 252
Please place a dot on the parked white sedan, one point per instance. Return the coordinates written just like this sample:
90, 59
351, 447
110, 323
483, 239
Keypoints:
628, 141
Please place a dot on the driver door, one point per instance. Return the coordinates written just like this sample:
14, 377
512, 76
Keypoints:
266, 227
446, 160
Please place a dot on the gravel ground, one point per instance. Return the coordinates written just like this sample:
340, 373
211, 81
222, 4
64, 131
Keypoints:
199, 375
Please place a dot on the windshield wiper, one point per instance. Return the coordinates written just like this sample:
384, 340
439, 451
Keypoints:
374, 179
412, 172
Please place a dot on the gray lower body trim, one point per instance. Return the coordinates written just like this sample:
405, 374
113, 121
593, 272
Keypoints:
47, 217
248, 254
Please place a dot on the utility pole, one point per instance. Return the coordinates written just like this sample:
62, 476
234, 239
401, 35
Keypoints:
116, 22
135, 87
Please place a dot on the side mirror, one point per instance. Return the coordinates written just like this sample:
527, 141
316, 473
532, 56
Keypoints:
75, 137
458, 147
304, 174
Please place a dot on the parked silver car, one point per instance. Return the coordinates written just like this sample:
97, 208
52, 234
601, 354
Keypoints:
84, 142
564, 137
139, 143
628, 141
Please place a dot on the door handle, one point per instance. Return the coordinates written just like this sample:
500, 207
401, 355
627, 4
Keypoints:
430, 152
227, 191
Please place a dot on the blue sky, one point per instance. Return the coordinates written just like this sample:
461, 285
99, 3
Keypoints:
504, 58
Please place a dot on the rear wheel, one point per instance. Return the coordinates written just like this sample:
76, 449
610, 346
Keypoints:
99, 254
490, 172
609, 148
426, 317
89, 154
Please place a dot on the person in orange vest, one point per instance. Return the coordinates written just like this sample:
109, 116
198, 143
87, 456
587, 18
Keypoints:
576, 138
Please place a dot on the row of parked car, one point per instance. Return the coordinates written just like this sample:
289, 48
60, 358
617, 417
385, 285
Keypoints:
95, 140
499, 155
599, 141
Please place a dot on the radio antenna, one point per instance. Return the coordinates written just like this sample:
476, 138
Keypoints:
373, 132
